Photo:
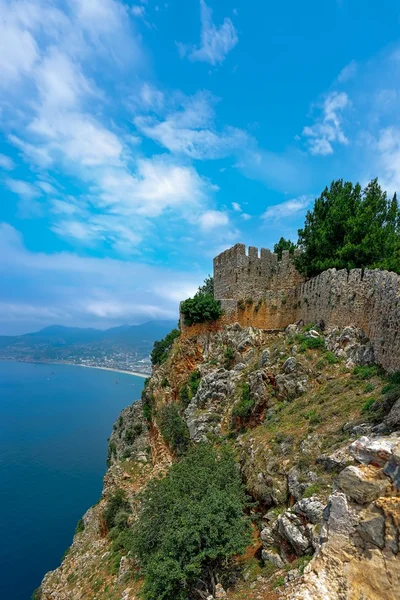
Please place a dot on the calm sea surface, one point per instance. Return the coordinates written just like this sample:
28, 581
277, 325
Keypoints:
54, 425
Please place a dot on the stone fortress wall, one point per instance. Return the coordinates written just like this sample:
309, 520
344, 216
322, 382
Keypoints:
255, 289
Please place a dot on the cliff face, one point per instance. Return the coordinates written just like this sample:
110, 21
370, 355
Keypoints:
313, 427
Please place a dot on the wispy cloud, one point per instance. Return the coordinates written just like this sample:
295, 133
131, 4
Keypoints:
190, 130
212, 219
348, 72
81, 290
215, 42
6, 163
328, 127
288, 209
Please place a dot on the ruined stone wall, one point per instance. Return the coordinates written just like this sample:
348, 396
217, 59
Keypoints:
260, 291
241, 276
369, 299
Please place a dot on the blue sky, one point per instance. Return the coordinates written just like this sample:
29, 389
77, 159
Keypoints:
139, 139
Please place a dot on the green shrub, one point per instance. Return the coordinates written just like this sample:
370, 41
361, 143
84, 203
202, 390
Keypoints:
147, 409
313, 417
394, 378
368, 388
117, 503
229, 357
164, 382
330, 357
194, 382
368, 406
162, 348
201, 308
309, 343
112, 452
80, 526
244, 407
184, 396
241, 304
37, 594
365, 371
173, 428
190, 525
129, 436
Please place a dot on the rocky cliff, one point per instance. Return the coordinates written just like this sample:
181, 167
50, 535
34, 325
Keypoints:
315, 428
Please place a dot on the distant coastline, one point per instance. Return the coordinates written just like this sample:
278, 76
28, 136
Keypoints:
47, 362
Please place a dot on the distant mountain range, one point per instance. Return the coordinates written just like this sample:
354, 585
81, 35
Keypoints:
131, 343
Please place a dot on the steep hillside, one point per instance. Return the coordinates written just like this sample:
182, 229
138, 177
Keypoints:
312, 424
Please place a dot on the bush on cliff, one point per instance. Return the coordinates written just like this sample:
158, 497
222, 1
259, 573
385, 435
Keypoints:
173, 428
162, 348
190, 524
200, 309
350, 228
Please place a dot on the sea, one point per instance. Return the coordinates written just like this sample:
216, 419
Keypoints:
54, 425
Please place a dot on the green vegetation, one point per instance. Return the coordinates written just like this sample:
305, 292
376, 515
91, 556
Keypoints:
365, 371
147, 408
309, 343
229, 357
284, 245
184, 396
194, 382
173, 428
161, 349
37, 594
244, 407
190, 524
116, 510
368, 406
112, 452
80, 526
207, 287
200, 309
350, 228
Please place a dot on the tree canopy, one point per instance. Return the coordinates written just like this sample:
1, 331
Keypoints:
282, 245
350, 227
162, 347
201, 308
190, 523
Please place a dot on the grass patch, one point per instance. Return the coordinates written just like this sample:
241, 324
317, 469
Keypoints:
365, 371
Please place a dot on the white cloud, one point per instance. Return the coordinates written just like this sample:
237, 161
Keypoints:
328, 127
215, 42
81, 291
348, 72
386, 159
213, 219
236, 207
6, 163
46, 187
22, 188
288, 209
190, 130
138, 11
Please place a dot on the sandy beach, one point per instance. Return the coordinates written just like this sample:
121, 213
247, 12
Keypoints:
45, 362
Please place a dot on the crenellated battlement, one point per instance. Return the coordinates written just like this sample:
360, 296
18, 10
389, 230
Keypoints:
239, 274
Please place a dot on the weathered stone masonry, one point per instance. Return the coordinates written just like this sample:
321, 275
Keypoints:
258, 290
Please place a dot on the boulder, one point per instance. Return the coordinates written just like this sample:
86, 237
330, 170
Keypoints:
373, 530
392, 420
264, 358
220, 592
291, 528
374, 451
362, 483
273, 558
289, 365
336, 461
267, 536
310, 508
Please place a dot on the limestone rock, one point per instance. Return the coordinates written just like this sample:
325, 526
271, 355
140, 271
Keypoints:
310, 508
289, 365
362, 483
392, 420
373, 530
352, 344
273, 558
375, 451
220, 592
291, 528
264, 358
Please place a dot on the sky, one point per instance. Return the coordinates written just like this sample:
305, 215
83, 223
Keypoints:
140, 139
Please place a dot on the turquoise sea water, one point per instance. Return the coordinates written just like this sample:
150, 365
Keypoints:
54, 425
